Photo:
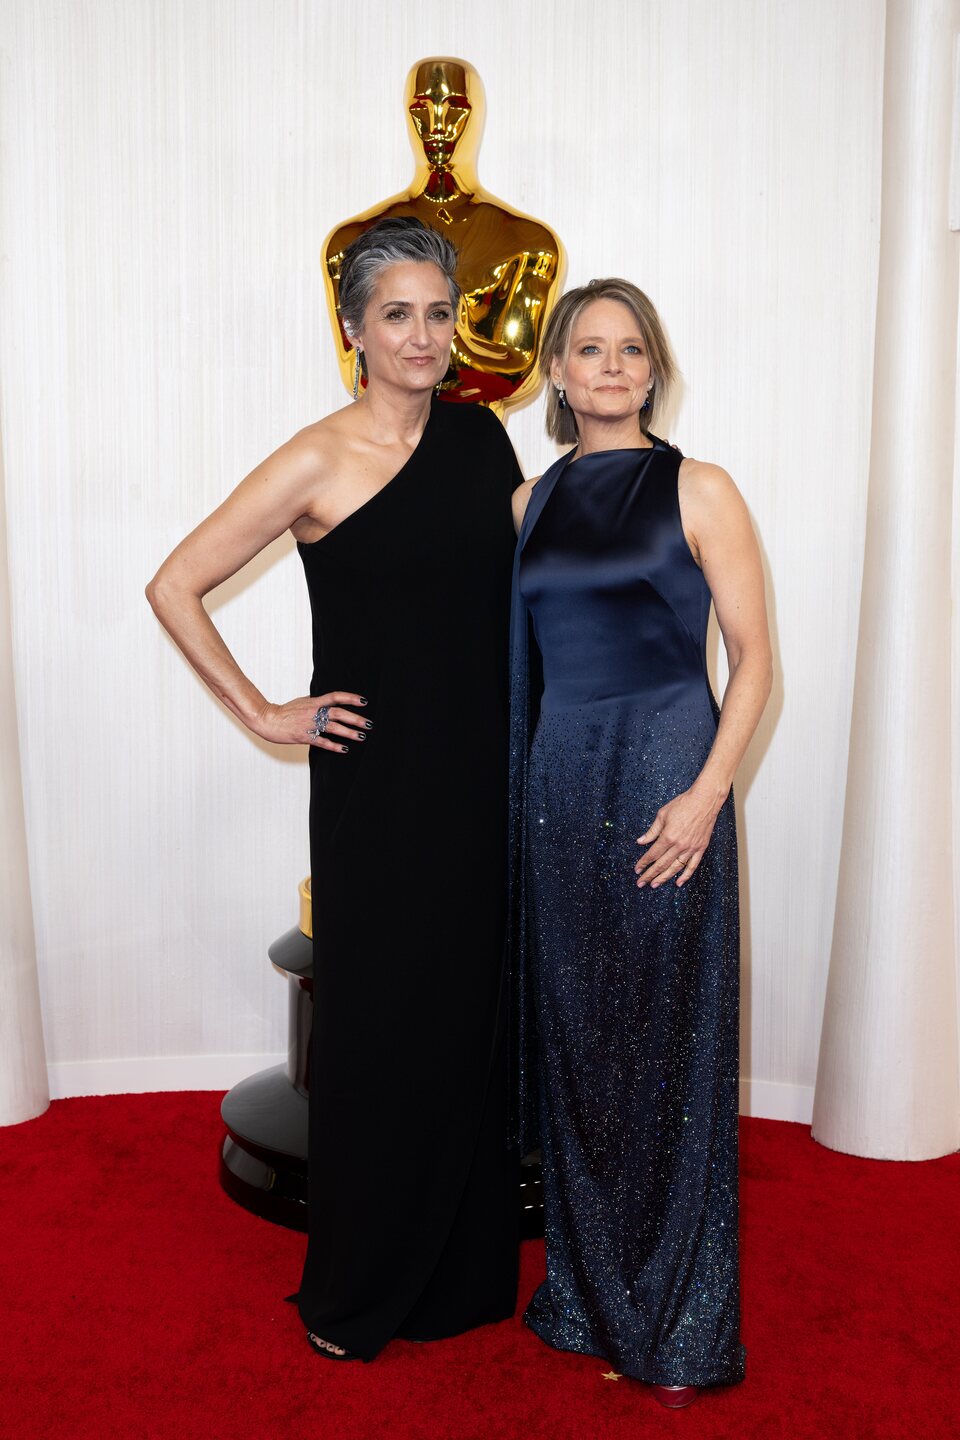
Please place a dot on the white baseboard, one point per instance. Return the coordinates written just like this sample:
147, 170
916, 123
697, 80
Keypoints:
154, 1072
775, 1100
768, 1099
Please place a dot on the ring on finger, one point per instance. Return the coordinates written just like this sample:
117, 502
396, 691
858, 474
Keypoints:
320, 722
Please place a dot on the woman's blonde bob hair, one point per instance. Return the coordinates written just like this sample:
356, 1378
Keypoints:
561, 426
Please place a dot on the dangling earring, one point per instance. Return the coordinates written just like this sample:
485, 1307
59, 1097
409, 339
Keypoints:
451, 365
646, 400
356, 375
561, 397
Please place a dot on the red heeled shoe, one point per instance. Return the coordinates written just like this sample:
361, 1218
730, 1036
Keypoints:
675, 1397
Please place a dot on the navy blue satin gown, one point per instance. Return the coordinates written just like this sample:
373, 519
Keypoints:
634, 993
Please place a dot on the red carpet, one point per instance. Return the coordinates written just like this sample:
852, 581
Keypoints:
139, 1302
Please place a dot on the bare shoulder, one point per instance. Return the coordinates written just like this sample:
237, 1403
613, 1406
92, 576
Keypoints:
309, 457
702, 477
521, 499
707, 492
315, 445
715, 518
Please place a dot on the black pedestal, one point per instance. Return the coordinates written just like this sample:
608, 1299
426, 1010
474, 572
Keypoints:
263, 1161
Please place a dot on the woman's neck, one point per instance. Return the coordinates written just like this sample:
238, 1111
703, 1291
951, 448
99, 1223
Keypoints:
392, 413
596, 434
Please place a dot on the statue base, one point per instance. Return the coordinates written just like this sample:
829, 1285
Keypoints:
263, 1157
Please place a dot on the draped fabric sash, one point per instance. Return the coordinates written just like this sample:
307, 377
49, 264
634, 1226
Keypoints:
525, 691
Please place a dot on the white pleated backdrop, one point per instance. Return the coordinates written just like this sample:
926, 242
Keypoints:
167, 174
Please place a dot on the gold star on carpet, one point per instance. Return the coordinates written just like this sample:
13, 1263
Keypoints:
612, 1375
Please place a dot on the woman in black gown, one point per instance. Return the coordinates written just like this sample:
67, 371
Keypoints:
400, 505
634, 963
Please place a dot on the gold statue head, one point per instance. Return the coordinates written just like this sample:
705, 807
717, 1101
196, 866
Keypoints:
508, 264
444, 100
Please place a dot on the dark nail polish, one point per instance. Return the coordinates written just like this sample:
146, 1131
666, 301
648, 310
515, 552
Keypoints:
344, 749
369, 724
363, 699
360, 735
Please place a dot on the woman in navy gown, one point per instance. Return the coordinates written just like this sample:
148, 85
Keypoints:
633, 963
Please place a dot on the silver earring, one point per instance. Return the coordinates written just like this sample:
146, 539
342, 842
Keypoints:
561, 397
356, 375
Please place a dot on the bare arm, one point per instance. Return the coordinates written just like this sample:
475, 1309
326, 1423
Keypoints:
721, 537
271, 499
730, 559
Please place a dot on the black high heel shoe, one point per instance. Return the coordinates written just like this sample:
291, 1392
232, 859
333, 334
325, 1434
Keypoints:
327, 1349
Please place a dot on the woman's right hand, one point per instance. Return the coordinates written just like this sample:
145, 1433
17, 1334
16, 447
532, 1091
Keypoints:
295, 723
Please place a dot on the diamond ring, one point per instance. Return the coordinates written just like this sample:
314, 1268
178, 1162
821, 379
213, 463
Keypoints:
320, 722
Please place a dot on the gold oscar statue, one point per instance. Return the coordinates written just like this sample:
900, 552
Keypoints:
510, 265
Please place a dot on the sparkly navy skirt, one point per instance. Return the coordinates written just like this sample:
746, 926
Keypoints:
636, 996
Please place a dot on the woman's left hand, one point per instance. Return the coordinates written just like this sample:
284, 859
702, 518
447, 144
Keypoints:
677, 839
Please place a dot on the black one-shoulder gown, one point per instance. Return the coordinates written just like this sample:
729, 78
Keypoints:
413, 1190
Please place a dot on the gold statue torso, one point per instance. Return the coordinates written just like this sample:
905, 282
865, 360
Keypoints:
510, 265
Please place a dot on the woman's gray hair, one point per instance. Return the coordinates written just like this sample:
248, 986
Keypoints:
392, 241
